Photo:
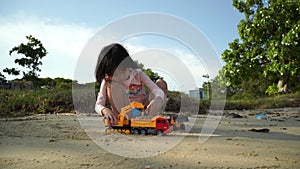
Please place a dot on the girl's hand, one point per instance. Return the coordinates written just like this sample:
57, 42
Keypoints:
109, 115
154, 106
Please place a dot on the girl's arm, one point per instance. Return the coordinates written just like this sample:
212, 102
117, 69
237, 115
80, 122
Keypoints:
101, 98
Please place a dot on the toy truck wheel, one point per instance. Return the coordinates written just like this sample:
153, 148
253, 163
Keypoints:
127, 132
115, 131
159, 133
143, 132
108, 131
135, 131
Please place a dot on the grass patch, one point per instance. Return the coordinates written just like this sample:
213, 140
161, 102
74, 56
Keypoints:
278, 101
15, 103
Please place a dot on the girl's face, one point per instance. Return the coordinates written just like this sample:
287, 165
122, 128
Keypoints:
119, 75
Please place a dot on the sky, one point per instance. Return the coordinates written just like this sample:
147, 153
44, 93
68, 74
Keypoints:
67, 29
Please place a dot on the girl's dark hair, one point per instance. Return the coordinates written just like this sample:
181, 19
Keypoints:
111, 57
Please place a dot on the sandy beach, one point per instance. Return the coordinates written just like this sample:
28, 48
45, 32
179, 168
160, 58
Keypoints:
60, 141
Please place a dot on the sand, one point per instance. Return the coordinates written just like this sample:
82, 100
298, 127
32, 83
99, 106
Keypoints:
59, 141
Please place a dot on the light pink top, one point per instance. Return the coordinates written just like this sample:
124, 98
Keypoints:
134, 88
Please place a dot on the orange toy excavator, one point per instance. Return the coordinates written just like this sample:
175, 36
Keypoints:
126, 124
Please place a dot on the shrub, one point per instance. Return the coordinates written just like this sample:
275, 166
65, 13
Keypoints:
21, 103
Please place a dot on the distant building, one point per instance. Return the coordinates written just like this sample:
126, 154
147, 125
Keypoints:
198, 93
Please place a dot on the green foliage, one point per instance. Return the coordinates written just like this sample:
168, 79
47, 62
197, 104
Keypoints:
153, 76
20, 103
12, 71
64, 85
181, 102
2, 77
268, 44
272, 90
84, 99
34, 51
173, 104
59, 83
280, 101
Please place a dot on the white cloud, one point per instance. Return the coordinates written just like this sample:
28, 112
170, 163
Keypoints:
63, 42
171, 62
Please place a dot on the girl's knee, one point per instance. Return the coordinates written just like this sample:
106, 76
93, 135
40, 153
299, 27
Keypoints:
162, 85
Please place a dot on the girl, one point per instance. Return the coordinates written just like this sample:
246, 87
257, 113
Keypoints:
122, 82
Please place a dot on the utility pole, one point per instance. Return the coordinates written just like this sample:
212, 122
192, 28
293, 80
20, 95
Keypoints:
207, 76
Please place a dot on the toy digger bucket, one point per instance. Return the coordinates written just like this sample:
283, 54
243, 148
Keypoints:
137, 105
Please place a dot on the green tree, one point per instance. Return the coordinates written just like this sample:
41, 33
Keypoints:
2, 77
152, 75
34, 51
268, 43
